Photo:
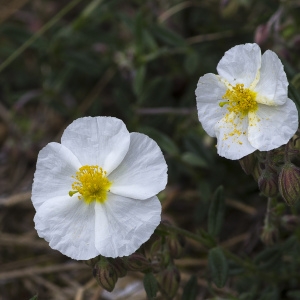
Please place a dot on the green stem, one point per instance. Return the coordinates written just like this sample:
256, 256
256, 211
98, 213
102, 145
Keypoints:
241, 262
268, 212
38, 34
286, 153
166, 229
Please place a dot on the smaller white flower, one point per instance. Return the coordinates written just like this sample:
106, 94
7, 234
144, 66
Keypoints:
246, 106
94, 193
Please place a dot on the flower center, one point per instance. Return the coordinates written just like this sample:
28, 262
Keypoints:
241, 100
91, 183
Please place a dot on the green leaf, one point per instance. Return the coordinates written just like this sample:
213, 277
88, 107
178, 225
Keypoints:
216, 212
139, 79
150, 285
190, 289
167, 36
218, 266
191, 62
194, 160
269, 258
209, 240
138, 33
34, 297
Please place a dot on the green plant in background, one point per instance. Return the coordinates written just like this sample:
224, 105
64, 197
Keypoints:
140, 61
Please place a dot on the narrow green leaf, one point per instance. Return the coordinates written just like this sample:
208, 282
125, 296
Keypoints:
216, 212
169, 37
34, 297
209, 240
194, 160
190, 289
139, 79
218, 266
138, 33
269, 258
191, 62
150, 285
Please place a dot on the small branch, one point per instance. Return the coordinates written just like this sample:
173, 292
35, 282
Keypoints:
38, 34
98, 88
38, 270
10, 8
209, 37
165, 110
174, 9
15, 199
164, 228
241, 206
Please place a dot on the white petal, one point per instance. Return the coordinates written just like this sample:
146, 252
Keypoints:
124, 224
143, 172
272, 126
209, 93
241, 64
68, 224
272, 86
55, 167
232, 137
101, 141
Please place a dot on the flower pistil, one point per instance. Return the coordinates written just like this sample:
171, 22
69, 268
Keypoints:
241, 100
91, 183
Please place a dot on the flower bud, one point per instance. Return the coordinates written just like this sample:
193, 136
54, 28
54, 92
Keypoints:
289, 183
119, 266
137, 262
268, 183
176, 245
91, 262
248, 163
290, 222
156, 264
257, 171
269, 235
156, 247
168, 281
105, 274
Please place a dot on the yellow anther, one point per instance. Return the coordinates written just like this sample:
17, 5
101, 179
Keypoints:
91, 183
241, 100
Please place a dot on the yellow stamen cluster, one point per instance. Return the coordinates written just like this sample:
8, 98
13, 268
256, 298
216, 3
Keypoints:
91, 183
241, 100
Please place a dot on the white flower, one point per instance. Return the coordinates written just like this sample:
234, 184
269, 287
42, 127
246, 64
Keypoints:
246, 106
94, 193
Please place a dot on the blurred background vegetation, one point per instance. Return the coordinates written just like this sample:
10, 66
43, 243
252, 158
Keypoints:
139, 60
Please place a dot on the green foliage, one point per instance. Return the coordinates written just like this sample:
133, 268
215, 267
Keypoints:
140, 61
216, 212
218, 266
190, 289
150, 285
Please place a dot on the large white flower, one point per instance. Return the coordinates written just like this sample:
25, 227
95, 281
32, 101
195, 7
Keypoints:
246, 106
94, 193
